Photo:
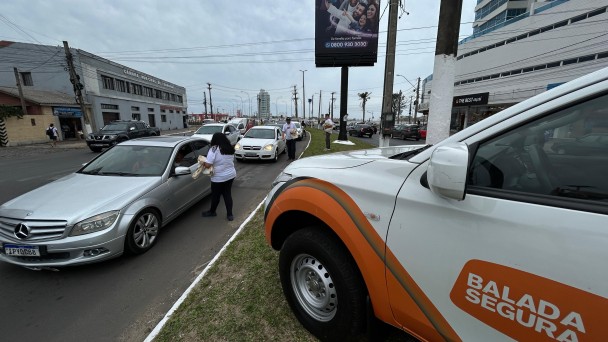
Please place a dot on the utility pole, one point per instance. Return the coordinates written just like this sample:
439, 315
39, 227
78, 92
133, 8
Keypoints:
303, 96
399, 111
295, 99
416, 103
409, 117
320, 91
387, 116
210, 102
442, 89
205, 102
23, 106
332, 106
75, 80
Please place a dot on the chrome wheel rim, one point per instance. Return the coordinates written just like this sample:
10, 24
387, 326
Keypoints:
314, 288
145, 230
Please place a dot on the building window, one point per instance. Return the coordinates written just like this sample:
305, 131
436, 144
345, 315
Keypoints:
165, 95
109, 106
108, 82
134, 109
137, 89
162, 111
171, 111
180, 99
172, 97
148, 92
26, 78
136, 116
150, 110
120, 86
163, 118
158, 94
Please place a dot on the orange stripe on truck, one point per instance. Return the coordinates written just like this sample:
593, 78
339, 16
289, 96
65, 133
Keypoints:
334, 207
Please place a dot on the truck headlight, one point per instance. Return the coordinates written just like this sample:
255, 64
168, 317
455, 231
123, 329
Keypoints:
95, 223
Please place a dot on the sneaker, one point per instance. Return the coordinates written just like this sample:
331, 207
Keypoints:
208, 214
230, 218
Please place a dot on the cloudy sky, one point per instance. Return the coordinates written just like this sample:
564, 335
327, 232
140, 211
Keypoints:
239, 47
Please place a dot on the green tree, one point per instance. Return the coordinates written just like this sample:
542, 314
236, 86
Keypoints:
398, 104
364, 97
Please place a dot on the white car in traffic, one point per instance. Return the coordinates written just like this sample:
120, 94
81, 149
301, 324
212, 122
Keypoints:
261, 143
229, 130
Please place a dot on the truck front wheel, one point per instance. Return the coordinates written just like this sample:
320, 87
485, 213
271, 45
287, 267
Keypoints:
323, 285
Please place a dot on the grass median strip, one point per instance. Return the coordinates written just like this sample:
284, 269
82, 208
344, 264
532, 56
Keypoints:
240, 298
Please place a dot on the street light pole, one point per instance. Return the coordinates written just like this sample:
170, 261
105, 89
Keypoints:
249, 102
276, 105
241, 103
303, 96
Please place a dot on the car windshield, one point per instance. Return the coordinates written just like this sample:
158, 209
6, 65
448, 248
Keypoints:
115, 127
260, 133
297, 124
209, 130
129, 160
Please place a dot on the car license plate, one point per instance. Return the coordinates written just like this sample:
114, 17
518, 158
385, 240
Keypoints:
97, 145
21, 250
250, 154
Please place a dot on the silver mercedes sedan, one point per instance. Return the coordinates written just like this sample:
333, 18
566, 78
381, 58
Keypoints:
131, 191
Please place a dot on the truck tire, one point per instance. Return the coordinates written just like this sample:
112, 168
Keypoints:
323, 285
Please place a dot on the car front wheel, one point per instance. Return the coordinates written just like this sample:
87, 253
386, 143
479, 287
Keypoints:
323, 285
143, 233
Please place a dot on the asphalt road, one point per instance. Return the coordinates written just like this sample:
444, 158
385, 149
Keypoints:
121, 299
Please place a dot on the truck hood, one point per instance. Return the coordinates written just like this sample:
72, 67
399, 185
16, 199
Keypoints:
78, 196
350, 159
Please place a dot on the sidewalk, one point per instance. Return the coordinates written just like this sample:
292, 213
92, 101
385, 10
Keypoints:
29, 150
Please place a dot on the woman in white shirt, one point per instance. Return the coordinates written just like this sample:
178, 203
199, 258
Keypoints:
221, 157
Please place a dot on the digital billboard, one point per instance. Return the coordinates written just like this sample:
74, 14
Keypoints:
346, 32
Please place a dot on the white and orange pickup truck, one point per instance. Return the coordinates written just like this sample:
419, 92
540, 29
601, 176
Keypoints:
498, 233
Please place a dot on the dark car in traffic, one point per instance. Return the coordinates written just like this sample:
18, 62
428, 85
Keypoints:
406, 131
361, 130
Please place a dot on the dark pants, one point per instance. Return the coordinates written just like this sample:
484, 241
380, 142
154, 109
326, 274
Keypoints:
327, 139
221, 189
291, 148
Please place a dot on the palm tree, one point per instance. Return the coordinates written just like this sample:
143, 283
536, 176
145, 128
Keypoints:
364, 97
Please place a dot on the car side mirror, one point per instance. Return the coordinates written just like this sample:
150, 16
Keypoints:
447, 170
182, 170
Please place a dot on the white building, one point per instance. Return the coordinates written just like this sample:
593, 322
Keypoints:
504, 63
263, 105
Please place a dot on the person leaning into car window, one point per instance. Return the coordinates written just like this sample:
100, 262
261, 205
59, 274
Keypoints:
221, 157
290, 138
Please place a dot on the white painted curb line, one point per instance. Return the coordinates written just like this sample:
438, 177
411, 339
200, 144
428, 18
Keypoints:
181, 299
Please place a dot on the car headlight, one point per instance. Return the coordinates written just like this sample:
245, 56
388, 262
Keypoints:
95, 223
111, 137
269, 147
282, 178
237, 146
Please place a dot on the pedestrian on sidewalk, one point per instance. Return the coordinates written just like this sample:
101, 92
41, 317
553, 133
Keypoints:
328, 127
221, 157
290, 134
53, 134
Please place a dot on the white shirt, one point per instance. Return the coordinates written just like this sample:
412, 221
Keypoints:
287, 127
328, 122
223, 165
